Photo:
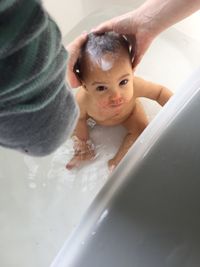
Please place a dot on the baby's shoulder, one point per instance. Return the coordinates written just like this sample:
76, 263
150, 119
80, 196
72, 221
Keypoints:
141, 86
81, 96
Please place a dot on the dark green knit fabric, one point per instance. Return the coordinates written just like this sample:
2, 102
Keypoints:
32, 78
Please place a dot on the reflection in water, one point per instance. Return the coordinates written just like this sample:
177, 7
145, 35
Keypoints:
92, 174
32, 170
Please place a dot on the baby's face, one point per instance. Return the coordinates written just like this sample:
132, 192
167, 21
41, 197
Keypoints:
109, 81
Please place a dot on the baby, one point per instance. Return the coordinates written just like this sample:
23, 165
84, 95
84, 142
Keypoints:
109, 94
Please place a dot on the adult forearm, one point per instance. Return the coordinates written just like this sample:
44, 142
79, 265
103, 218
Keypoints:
161, 14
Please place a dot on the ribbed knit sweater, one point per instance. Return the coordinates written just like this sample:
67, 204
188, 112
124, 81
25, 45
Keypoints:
37, 109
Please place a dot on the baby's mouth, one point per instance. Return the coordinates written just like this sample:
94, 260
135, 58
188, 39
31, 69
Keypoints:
116, 105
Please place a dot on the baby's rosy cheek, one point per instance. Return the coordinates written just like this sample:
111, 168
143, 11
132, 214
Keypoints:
103, 103
128, 98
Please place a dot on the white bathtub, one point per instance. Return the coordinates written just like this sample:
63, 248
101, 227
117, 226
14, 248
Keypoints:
40, 202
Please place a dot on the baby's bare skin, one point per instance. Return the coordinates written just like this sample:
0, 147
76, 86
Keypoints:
111, 98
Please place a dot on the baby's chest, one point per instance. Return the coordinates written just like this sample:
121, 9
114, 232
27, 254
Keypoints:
110, 117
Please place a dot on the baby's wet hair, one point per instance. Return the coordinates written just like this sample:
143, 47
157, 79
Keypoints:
98, 45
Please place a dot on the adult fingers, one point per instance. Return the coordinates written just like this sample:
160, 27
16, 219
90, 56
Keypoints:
106, 26
74, 52
142, 45
122, 24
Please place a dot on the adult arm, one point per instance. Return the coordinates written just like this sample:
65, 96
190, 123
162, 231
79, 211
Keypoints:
37, 109
148, 20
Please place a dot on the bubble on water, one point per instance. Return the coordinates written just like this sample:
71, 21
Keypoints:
32, 167
84, 189
32, 185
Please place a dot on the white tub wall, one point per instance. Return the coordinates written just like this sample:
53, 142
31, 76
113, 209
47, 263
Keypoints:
190, 26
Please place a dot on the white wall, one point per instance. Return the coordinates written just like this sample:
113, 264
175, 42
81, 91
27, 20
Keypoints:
66, 12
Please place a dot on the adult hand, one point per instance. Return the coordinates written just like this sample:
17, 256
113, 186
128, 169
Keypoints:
149, 20
73, 53
133, 25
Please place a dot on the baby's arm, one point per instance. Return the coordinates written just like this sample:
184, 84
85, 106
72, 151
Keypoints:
151, 90
83, 147
135, 124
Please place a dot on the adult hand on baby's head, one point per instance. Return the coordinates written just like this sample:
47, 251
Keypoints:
74, 51
133, 25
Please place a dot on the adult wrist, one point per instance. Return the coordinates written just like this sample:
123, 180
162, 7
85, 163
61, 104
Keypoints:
149, 19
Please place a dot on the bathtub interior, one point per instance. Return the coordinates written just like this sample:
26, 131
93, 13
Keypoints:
41, 202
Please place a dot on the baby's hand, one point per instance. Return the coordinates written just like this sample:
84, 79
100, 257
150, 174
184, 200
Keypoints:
112, 164
83, 150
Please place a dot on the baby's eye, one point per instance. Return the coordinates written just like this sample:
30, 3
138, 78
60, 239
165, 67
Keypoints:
101, 88
123, 82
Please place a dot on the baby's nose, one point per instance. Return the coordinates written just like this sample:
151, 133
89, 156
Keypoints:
116, 97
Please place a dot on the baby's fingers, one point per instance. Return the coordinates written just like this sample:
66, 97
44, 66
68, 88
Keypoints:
111, 165
74, 162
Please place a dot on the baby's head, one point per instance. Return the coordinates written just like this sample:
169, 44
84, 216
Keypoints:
105, 67
95, 50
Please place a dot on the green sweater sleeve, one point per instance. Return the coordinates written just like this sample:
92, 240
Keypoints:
37, 109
